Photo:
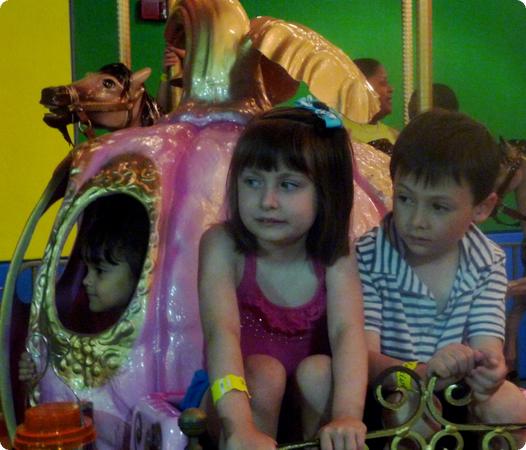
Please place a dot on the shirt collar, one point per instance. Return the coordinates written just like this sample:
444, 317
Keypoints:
476, 253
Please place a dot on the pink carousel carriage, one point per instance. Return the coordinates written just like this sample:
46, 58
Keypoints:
134, 371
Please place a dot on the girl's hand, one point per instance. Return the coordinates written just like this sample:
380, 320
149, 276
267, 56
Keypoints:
27, 369
346, 433
250, 438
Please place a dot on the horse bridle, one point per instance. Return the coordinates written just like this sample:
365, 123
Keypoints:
125, 103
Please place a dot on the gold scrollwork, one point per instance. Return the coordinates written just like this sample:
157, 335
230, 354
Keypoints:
403, 435
88, 361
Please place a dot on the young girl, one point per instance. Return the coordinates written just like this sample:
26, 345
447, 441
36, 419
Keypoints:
280, 298
113, 241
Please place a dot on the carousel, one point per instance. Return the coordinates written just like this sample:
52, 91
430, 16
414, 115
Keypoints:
119, 384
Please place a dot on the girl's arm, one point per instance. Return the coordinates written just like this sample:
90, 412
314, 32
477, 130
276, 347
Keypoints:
349, 349
220, 322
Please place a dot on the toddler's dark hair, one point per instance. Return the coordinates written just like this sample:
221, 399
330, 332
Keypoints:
115, 228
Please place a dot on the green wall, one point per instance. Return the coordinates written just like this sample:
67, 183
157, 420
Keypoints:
479, 47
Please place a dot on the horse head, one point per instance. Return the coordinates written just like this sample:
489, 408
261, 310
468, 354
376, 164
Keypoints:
112, 98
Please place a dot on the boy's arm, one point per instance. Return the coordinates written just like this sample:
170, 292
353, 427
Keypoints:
486, 330
449, 364
373, 306
220, 322
378, 362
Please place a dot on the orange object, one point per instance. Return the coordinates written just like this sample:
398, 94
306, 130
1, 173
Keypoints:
53, 426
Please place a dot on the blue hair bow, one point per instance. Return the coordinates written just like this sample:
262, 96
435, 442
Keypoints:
328, 115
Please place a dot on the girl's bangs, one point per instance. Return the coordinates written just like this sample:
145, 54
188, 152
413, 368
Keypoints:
266, 150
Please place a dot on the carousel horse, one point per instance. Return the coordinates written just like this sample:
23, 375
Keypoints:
233, 69
112, 98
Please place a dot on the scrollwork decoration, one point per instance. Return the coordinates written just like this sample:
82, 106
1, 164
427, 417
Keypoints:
88, 361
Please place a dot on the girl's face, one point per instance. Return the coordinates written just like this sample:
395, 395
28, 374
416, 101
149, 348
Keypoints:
278, 207
109, 286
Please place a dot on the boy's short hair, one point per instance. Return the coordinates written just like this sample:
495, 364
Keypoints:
439, 144
299, 139
115, 228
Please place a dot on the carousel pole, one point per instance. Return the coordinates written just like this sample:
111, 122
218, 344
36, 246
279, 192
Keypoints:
123, 19
425, 55
175, 93
407, 54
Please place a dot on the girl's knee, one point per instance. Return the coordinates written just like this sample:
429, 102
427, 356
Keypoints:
314, 370
266, 373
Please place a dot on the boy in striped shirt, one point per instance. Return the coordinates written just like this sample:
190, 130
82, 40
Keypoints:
433, 284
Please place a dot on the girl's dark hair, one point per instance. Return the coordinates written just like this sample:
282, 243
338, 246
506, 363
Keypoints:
438, 144
115, 228
368, 66
300, 140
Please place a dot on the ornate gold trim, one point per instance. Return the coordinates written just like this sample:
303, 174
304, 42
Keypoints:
88, 361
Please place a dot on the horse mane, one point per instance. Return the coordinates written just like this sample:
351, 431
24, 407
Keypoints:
150, 111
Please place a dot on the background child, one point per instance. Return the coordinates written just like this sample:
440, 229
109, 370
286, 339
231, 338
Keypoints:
434, 285
279, 290
113, 240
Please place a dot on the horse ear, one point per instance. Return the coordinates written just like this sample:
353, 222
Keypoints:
138, 78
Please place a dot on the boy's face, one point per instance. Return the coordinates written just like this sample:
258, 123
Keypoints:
109, 286
432, 219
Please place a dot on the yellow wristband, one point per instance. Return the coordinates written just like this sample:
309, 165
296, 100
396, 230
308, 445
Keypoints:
164, 77
403, 380
228, 383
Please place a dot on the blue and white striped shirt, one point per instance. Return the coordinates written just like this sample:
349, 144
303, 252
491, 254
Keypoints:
402, 310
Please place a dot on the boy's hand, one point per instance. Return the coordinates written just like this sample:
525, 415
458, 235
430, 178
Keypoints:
346, 433
488, 375
27, 369
452, 363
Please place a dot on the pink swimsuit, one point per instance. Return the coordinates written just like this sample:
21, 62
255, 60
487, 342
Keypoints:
287, 334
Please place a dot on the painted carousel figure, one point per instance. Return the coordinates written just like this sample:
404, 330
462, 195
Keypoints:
173, 173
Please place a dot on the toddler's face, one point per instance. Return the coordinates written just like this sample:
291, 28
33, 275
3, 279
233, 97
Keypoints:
109, 286
432, 219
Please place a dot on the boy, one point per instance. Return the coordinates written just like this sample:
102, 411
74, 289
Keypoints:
433, 284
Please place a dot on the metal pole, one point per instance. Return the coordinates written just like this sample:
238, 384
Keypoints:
407, 55
425, 54
123, 20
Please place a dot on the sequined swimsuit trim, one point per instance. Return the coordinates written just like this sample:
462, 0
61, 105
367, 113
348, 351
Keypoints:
287, 320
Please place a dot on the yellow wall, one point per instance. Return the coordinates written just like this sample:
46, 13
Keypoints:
35, 53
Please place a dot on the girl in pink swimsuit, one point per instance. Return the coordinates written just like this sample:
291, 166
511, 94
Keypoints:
279, 292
